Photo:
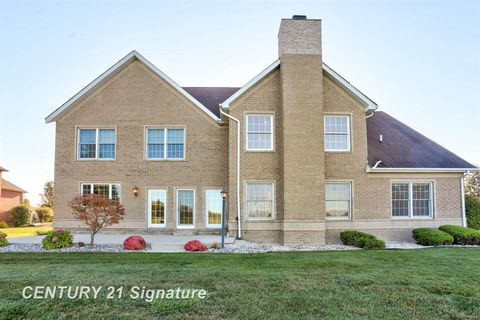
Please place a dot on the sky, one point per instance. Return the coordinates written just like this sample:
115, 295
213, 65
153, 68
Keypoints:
419, 60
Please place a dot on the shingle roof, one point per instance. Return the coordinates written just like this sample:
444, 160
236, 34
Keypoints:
7, 185
211, 97
403, 147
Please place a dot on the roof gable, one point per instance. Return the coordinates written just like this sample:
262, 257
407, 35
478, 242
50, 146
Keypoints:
368, 103
111, 71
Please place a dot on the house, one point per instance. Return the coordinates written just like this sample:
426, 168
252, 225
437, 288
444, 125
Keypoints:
10, 196
303, 152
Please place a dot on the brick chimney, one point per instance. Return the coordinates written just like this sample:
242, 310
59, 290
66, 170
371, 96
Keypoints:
300, 51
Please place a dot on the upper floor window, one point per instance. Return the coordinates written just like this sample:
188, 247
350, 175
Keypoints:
338, 199
337, 133
260, 200
96, 143
412, 200
260, 132
165, 143
108, 190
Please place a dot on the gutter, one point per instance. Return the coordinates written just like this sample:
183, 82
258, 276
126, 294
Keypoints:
464, 216
239, 230
383, 169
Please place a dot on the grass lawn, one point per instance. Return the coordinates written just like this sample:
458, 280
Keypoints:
25, 231
402, 284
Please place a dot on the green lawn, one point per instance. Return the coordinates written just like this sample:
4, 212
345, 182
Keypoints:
24, 231
389, 284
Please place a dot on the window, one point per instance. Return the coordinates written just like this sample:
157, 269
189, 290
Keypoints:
337, 133
157, 200
165, 143
260, 132
185, 208
260, 203
96, 144
412, 200
213, 208
108, 190
338, 199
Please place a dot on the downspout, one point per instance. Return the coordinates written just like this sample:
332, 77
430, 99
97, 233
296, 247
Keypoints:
239, 230
462, 188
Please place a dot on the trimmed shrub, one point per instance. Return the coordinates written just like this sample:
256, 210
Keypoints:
135, 243
431, 237
3, 225
3, 240
462, 235
373, 244
44, 214
20, 216
57, 239
195, 245
472, 210
361, 240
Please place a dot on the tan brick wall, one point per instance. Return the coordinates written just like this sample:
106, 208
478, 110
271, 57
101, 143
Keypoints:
133, 98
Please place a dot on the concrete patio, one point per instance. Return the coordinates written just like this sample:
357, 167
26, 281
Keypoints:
159, 243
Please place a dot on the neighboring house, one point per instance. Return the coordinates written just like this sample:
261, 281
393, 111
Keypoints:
315, 156
10, 196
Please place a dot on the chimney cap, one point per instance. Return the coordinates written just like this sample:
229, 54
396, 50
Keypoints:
299, 17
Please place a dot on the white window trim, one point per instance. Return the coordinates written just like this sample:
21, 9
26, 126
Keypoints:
350, 209
349, 135
185, 226
103, 183
165, 147
272, 140
247, 216
149, 208
410, 200
208, 225
96, 143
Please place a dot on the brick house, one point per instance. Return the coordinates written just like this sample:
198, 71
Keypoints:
10, 196
303, 153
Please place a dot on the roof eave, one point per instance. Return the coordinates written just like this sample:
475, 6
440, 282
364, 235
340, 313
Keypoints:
412, 170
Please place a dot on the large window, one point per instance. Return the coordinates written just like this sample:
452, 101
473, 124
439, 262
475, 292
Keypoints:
185, 208
412, 199
337, 133
338, 200
260, 132
213, 208
165, 143
260, 200
108, 190
96, 144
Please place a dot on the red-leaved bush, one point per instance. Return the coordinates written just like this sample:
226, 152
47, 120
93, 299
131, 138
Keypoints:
195, 245
135, 243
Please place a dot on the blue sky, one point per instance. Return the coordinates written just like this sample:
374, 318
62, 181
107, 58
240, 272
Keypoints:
419, 60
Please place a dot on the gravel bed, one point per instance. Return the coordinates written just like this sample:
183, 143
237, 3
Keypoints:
30, 247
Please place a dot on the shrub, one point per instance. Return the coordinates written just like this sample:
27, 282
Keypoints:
374, 244
57, 239
81, 244
462, 235
20, 216
135, 243
3, 225
472, 210
195, 245
431, 237
3, 240
361, 240
44, 214
96, 212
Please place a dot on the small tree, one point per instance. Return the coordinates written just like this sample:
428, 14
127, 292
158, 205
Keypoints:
96, 212
47, 195
472, 209
44, 214
472, 184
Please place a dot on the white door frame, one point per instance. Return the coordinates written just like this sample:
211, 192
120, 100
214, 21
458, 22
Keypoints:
149, 204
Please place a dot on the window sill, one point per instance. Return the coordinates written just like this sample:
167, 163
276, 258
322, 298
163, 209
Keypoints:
185, 227
98, 159
159, 226
338, 219
338, 151
412, 218
166, 160
215, 226
259, 151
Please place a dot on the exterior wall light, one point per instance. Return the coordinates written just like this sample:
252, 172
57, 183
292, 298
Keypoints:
135, 191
